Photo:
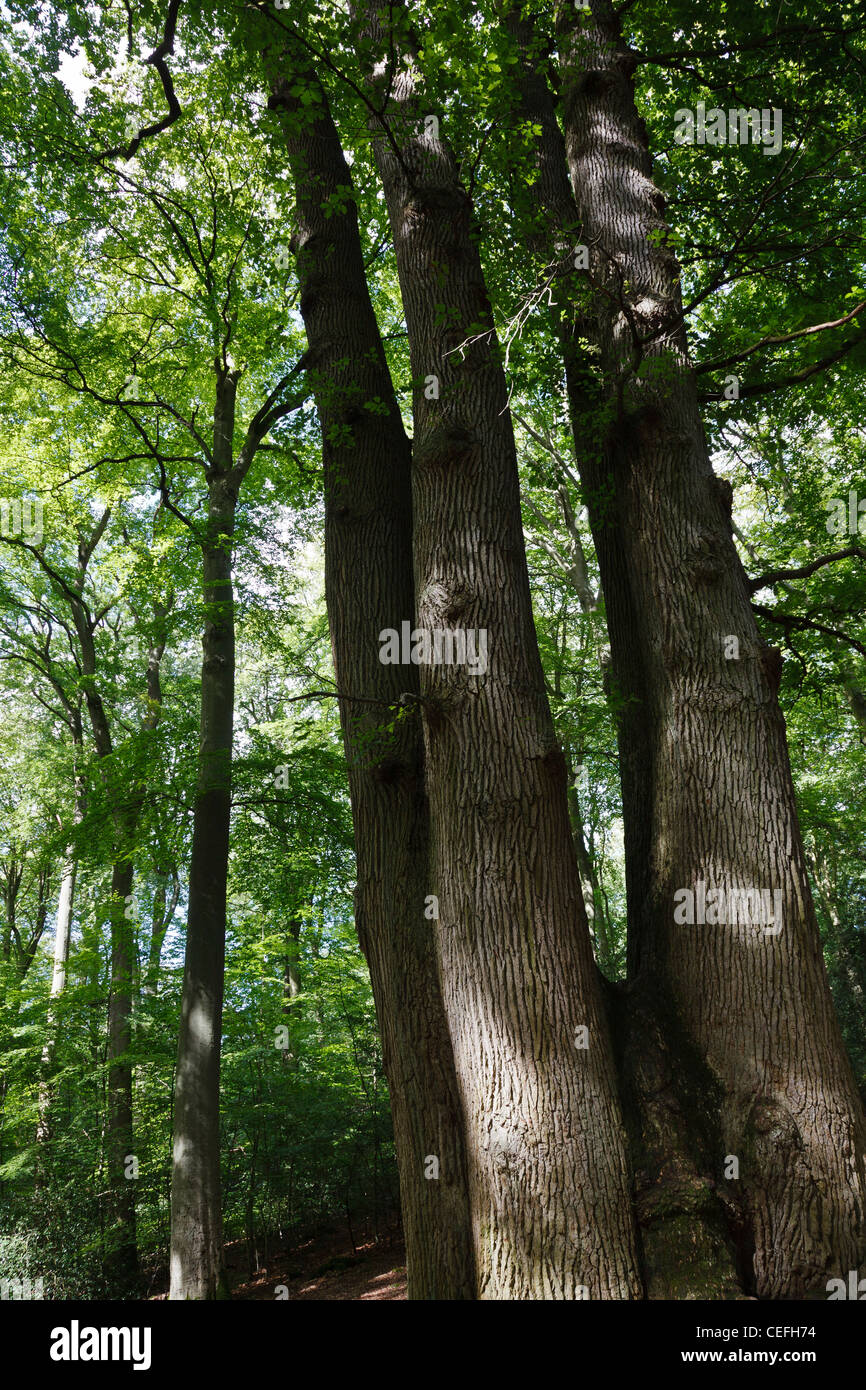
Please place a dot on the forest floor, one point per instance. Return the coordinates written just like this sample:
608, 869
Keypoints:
324, 1267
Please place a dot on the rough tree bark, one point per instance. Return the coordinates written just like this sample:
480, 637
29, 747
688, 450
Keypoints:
369, 587
575, 323
751, 1006
547, 1170
685, 1241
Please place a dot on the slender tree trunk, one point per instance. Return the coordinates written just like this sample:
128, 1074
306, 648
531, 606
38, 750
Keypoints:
121, 1261
164, 904
593, 898
291, 989
292, 977
751, 1005
64, 921
196, 1222
62, 934
369, 587
121, 1256
547, 1168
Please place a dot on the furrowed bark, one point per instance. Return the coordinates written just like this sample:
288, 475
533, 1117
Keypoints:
753, 1005
547, 1170
687, 1237
575, 319
369, 587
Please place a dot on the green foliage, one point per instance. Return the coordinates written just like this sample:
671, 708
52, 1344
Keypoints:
124, 286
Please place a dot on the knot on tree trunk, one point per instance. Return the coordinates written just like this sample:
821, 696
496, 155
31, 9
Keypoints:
442, 447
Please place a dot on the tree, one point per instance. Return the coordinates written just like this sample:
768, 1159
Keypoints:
554, 373
369, 588
531, 1057
720, 800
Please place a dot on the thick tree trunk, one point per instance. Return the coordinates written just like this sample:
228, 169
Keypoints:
369, 587
857, 700
575, 318
547, 1169
196, 1221
687, 1249
751, 1005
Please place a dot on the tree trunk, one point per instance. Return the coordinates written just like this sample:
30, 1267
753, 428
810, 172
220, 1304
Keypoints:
685, 1240
121, 1262
751, 1006
164, 904
196, 1220
369, 587
121, 1259
575, 319
62, 934
547, 1168
600, 928
291, 989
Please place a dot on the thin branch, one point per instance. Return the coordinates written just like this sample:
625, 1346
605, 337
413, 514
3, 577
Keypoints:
156, 59
779, 338
804, 571
789, 621
765, 388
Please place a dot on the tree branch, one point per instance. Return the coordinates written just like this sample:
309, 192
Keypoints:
804, 571
790, 622
156, 59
